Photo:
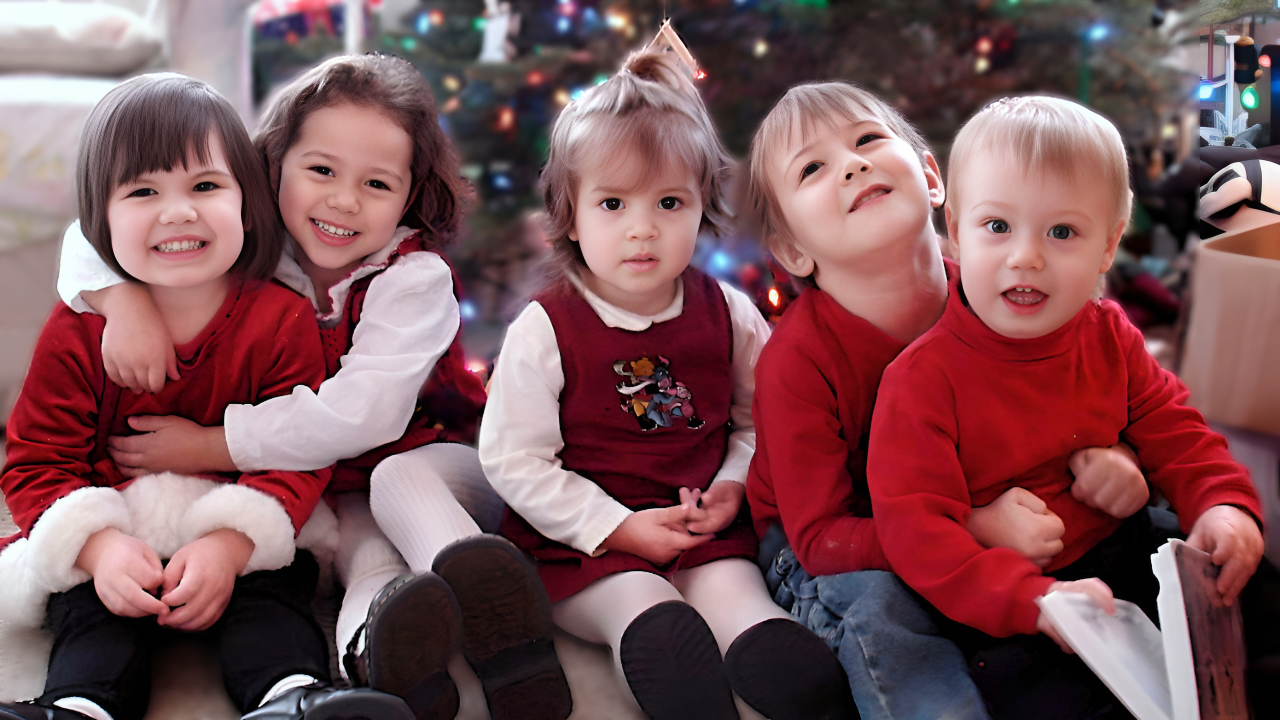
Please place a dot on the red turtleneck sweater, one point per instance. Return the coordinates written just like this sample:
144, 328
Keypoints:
964, 414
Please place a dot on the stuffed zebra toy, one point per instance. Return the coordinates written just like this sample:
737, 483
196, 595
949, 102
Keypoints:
1240, 196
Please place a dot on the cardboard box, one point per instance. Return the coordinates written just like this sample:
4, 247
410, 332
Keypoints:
1231, 357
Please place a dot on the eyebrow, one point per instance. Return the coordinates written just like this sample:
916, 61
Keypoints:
853, 124
334, 158
610, 190
997, 205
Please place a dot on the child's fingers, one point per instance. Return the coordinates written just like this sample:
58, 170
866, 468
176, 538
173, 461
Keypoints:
171, 365
148, 423
155, 378
1098, 592
133, 601
1028, 499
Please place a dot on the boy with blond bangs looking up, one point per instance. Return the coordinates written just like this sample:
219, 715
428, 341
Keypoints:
844, 190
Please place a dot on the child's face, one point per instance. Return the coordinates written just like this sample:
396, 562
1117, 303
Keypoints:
1030, 246
851, 192
179, 228
636, 241
344, 184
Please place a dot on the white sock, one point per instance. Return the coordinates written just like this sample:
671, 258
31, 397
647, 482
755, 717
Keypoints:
366, 561
288, 683
88, 708
413, 504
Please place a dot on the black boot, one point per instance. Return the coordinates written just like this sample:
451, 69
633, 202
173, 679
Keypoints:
786, 672
673, 665
412, 629
314, 702
31, 711
506, 623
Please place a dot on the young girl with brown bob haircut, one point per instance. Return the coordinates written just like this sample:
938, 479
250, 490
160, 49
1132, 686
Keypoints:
172, 196
369, 190
619, 422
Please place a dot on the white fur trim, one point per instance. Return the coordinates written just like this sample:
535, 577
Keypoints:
61, 532
319, 535
159, 504
24, 659
258, 515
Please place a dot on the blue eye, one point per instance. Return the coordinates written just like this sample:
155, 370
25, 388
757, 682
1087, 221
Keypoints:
997, 226
1060, 232
810, 169
669, 203
611, 204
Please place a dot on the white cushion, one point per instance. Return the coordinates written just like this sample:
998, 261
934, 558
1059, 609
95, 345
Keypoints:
74, 38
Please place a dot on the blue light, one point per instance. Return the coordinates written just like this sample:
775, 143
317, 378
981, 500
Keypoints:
467, 310
424, 24
502, 181
1099, 32
562, 25
576, 94
721, 262
1206, 91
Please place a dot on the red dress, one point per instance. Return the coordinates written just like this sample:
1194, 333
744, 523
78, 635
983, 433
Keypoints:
642, 414
449, 403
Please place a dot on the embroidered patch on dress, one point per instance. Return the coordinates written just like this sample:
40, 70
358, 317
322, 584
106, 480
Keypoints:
653, 396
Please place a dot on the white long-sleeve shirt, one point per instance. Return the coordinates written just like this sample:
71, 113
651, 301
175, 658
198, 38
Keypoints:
519, 452
408, 320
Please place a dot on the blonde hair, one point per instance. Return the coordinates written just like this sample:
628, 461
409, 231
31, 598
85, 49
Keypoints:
650, 109
810, 108
1050, 135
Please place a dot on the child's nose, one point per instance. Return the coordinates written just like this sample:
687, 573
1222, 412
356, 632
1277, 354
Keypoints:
856, 165
178, 210
344, 199
1026, 254
642, 226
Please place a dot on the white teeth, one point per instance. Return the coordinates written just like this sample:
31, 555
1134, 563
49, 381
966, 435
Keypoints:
871, 196
332, 230
174, 246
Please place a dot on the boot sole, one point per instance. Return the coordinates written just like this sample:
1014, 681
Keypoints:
414, 631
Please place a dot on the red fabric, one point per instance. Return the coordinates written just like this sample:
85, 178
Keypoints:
816, 385
262, 342
964, 414
604, 432
449, 403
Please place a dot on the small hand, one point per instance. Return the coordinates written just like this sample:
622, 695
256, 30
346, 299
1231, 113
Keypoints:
200, 577
1109, 479
126, 573
137, 350
1097, 591
170, 443
713, 510
1020, 521
1233, 541
657, 535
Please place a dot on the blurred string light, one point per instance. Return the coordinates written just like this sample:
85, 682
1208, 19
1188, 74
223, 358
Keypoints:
1249, 98
562, 25
467, 310
435, 17
502, 181
982, 64
1098, 32
567, 8
479, 23
506, 119
562, 97
451, 83
534, 78
1264, 60
601, 79
983, 45
576, 95
409, 44
616, 21
1206, 92
761, 48
476, 366
423, 24
775, 297
701, 74
721, 262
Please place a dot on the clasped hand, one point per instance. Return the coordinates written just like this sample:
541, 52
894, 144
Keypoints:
660, 534
194, 588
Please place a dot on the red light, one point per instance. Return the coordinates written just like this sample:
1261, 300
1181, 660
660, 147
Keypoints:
774, 297
506, 118
700, 74
534, 78
476, 366
435, 17
984, 46
1264, 60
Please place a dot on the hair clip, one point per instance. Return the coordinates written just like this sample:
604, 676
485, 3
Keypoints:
667, 38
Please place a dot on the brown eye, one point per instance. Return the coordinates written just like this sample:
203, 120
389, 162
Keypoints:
612, 204
998, 226
810, 169
669, 203
868, 138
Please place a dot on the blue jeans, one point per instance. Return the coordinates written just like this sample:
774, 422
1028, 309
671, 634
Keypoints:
898, 665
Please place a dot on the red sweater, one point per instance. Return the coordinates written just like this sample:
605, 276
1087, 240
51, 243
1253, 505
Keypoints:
262, 342
816, 384
964, 414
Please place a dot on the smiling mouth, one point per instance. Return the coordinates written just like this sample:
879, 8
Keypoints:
333, 230
868, 197
177, 246
1024, 295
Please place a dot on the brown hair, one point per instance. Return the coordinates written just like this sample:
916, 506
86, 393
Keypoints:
1049, 135
153, 123
810, 108
393, 86
650, 109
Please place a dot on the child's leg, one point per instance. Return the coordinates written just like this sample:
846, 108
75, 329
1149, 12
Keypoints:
98, 656
365, 563
776, 665
417, 498
268, 632
663, 650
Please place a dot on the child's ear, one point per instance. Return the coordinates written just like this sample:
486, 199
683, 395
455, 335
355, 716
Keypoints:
1113, 244
953, 237
793, 259
933, 180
